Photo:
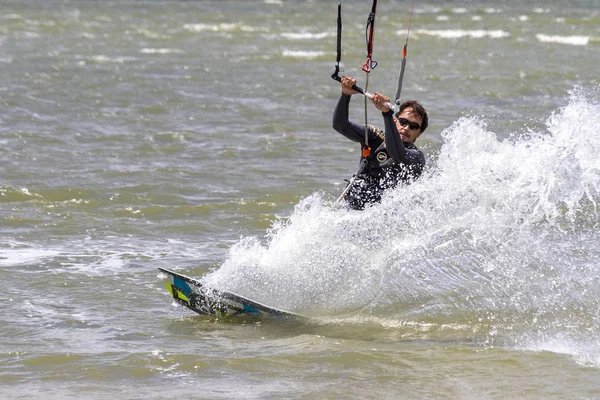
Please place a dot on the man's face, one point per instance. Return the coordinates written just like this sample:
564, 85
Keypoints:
409, 119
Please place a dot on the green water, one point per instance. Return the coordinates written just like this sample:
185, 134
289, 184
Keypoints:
145, 134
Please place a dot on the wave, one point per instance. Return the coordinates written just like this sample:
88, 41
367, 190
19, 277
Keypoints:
223, 27
306, 35
500, 235
16, 256
102, 59
303, 54
575, 40
460, 33
160, 51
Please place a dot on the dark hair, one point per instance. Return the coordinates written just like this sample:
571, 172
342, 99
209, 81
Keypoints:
418, 109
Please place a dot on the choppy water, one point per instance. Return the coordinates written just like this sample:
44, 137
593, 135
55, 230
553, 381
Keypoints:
196, 136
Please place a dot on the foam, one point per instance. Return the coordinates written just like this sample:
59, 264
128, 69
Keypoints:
575, 40
460, 33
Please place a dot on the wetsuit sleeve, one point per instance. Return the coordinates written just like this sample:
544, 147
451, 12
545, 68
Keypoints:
395, 146
342, 123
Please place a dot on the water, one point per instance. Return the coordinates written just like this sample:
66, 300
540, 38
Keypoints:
197, 136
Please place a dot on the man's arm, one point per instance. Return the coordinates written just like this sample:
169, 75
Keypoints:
342, 123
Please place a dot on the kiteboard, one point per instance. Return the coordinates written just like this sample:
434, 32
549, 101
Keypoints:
192, 294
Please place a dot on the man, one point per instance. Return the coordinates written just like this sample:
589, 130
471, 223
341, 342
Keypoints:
393, 157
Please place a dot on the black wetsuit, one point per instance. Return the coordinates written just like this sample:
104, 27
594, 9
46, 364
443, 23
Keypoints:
391, 160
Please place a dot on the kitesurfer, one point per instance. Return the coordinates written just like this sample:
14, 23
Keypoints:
392, 157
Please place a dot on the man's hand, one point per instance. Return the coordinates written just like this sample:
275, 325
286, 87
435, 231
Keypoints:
347, 83
379, 100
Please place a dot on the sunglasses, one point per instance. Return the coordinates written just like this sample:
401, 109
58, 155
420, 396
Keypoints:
412, 125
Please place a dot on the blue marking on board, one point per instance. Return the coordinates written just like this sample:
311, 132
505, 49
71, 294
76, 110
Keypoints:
181, 284
249, 309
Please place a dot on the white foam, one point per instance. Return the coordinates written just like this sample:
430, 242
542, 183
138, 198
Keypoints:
223, 27
102, 59
575, 40
12, 16
305, 35
159, 51
25, 256
585, 351
460, 33
302, 54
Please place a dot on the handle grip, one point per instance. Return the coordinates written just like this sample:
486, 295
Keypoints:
368, 95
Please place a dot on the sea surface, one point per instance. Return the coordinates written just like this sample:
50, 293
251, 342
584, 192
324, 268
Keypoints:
196, 136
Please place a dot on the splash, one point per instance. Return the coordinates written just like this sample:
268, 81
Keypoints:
500, 235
